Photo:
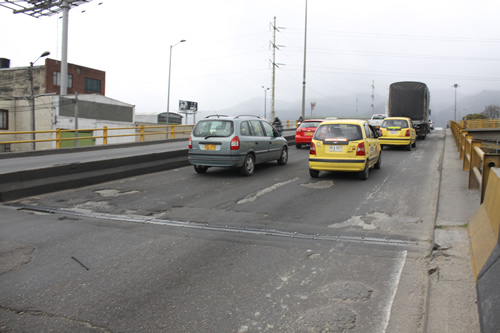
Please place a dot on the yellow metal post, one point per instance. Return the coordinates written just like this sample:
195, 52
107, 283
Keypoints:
58, 138
105, 135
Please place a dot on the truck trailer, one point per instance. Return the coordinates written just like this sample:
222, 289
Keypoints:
411, 99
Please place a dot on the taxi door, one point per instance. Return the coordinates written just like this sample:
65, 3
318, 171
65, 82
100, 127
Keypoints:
373, 146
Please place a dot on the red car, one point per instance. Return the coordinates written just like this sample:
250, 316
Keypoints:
305, 132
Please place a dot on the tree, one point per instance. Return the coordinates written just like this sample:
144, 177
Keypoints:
474, 116
491, 111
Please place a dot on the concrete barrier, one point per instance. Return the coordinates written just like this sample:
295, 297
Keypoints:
24, 183
484, 229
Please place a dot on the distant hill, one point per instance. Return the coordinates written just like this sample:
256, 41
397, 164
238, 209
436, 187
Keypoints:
442, 106
444, 110
338, 106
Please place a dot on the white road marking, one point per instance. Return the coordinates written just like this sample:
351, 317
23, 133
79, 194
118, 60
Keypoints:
394, 280
377, 189
251, 198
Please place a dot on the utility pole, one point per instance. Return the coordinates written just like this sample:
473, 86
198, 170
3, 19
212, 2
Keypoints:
32, 98
168, 92
32, 107
455, 114
76, 119
304, 73
265, 101
373, 95
275, 28
64, 52
38, 9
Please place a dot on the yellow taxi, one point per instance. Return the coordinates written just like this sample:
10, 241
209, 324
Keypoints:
348, 145
397, 131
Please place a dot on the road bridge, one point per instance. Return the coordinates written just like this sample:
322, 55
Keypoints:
455, 205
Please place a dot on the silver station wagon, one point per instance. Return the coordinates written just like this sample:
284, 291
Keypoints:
240, 141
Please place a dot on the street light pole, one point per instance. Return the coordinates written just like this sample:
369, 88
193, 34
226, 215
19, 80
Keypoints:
265, 101
32, 98
304, 74
169, 70
455, 86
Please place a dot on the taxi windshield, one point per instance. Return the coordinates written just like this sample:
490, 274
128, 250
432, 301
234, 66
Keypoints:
395, 123
347, 131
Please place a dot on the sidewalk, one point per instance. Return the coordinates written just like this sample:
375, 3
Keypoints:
452, 303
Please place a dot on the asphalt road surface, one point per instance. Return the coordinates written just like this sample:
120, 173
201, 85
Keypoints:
177, 251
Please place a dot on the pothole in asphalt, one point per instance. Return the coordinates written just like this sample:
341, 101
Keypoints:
322, 184
113, 193
92, 205
332, 318
351, 291
14, 255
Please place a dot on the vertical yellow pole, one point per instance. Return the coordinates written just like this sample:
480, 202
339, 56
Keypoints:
105, 135
58, 138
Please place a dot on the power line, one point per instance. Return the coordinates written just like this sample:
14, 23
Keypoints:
396, 55
396, 36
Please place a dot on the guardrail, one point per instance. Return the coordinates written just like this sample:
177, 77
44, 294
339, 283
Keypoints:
475, 159
482, 123
142, 131
484, 225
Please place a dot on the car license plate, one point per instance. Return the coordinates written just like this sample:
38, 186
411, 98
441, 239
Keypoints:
309, 133
335, 148
209, 147
394, 132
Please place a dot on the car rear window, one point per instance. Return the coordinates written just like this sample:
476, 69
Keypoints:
310, 124
395, 123
213, 128
350, 132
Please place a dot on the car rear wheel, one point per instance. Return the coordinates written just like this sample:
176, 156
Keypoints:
363, 175
298, 145
379, 161
248, 167
409, 147
200, 169
313, 173
414, 143
283, 157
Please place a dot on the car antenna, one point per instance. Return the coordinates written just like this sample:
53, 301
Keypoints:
215, 112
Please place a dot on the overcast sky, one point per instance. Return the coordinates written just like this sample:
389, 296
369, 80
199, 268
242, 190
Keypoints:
226, 58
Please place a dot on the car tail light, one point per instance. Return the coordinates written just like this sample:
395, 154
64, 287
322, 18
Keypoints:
235, 143
380, 132
190, 142
407, 132
360, 151
312, 151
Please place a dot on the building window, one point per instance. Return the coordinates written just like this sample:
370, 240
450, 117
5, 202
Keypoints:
57, 79
92, 85
4, 119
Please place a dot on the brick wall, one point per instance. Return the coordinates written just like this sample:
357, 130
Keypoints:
79, 74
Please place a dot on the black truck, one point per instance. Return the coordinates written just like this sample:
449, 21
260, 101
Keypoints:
411, 99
